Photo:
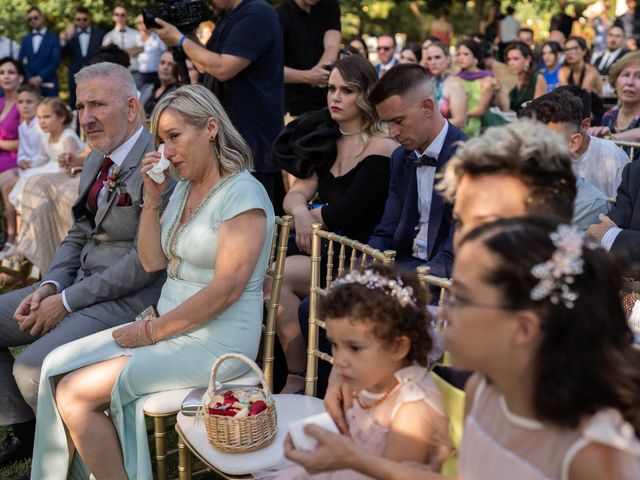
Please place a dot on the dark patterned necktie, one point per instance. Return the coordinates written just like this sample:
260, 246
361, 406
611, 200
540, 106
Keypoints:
421, 160
94, 191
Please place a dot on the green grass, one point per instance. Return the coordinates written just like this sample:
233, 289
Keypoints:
15, 470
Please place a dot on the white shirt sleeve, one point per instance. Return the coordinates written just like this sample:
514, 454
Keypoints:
609, 237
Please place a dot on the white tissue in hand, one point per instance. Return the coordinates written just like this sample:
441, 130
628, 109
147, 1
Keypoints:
301, 440
157, 171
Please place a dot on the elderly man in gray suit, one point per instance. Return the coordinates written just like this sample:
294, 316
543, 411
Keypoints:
95, 280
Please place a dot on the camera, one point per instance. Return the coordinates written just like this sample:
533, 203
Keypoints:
186, 15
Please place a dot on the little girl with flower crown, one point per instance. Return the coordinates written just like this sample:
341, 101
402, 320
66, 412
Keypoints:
378, 326
536, 313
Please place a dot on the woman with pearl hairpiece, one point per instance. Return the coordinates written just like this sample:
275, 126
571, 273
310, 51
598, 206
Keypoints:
341, 158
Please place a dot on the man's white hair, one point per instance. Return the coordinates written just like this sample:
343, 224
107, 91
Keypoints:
112, 71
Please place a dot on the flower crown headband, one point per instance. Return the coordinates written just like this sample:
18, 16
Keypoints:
393, 287
557, 274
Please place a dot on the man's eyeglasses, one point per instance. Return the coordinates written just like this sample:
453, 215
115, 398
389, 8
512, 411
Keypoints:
31, 19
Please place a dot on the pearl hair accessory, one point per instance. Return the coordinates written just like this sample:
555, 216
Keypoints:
370, 279
557, 274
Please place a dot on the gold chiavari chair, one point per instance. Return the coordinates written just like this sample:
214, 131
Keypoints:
360, 255
452, 398
162, 406
632, 147
193, 437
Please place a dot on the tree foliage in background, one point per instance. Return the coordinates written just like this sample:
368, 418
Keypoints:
365, 17
60, 12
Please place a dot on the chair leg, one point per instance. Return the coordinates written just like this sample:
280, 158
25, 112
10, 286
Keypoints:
184, 460
160, 437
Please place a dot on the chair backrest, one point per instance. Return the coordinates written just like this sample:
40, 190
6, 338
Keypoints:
453, 403
360, 255
275, 270
444, 284
631, 148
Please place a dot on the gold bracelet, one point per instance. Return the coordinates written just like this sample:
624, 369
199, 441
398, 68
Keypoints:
140, 339
145, 332
150, 207
154, 338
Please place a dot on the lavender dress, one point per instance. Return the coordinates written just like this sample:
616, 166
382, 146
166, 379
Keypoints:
9, 131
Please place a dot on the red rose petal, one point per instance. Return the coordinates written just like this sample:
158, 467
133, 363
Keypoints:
257, 407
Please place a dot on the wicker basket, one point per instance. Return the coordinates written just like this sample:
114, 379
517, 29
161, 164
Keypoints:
240, 435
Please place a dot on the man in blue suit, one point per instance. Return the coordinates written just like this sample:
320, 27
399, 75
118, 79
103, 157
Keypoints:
80, 47
386, 49
417, 222
40, 54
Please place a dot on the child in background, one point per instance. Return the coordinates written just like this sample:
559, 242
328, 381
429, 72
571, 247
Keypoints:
54, 118
31, 139
536, 313
378, 325
30, 134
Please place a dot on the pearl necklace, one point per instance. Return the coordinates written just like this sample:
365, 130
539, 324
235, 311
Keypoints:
347, 134
375, 403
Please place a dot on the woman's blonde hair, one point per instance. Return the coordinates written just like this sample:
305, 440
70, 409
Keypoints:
628, 59
196, 104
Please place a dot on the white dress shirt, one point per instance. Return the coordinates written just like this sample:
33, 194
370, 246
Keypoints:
31, 138
425, 177
609, 237
83, 39
602, 164
117, 157
37, 37
9, 48
125, 38
149, 58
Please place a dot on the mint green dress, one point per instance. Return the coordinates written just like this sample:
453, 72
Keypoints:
178, 362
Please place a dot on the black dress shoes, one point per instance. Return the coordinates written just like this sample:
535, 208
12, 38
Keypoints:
13, 450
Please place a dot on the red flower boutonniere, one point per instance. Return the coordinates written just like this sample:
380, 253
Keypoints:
114, 182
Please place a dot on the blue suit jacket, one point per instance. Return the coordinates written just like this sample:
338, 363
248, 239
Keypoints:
397, 228
393, 62
44, 63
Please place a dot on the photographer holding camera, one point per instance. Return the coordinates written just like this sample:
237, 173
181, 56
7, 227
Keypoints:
243, 63
311, 32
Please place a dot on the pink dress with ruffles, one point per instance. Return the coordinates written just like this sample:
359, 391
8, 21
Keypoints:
370, 428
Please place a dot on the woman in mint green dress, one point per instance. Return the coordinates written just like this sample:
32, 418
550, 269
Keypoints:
214, 241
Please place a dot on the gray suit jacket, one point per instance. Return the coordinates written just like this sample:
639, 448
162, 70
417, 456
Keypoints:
97, 261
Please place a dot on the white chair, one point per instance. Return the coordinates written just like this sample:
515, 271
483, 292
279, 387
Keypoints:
164, 405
